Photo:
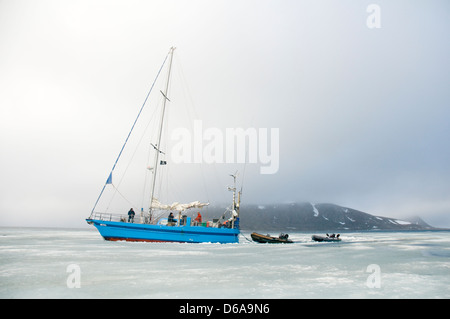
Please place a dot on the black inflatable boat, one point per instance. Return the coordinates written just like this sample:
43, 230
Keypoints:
267, 239
326, 238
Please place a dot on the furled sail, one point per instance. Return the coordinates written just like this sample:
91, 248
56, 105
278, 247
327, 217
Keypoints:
177, 206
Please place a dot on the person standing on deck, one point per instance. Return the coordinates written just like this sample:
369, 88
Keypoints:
198, 219
131, 215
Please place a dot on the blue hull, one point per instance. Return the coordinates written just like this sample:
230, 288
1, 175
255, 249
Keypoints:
111, 230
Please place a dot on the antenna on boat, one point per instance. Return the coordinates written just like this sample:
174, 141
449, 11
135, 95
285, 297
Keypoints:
233, 189
235, 209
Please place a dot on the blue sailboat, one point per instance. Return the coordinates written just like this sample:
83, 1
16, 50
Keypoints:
176, 228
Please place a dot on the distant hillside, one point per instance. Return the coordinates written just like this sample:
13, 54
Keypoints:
319, 217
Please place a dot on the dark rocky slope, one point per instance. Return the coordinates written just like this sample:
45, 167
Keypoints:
318, 217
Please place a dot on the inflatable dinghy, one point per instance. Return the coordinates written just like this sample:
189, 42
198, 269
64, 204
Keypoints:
267, 239
326, 238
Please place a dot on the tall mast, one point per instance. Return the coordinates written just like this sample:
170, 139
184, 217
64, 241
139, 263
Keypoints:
160, 129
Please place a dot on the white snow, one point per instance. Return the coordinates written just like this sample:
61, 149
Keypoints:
402, 222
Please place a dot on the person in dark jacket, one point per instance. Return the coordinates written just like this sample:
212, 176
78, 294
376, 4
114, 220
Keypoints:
171, 220
131, 215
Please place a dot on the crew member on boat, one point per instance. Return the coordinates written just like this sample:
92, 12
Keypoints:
170, 220
198, 219
131, 215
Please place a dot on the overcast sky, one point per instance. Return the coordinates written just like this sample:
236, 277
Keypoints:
363, 113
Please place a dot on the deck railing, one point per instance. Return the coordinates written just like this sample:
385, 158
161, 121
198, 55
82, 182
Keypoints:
137, 220
111, 217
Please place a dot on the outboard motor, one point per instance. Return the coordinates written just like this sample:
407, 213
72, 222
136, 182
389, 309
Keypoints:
283, 236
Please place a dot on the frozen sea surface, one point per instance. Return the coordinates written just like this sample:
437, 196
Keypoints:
46, 263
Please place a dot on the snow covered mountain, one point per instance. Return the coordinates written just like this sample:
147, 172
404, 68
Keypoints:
324, 217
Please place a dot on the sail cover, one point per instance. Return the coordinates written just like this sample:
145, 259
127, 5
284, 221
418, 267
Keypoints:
177, 206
